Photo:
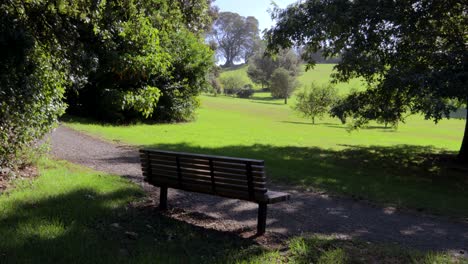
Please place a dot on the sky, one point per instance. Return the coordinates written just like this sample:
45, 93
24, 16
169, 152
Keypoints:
256, 8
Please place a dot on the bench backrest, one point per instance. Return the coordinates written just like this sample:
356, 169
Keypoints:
223, 176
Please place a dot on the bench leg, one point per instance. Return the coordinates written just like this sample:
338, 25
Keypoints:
163, 198
262, 215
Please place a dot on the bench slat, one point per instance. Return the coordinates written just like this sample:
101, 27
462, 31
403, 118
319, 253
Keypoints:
226, 191
173, 171
204, 179
201, 156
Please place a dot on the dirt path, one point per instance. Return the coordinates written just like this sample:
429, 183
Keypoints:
307, 212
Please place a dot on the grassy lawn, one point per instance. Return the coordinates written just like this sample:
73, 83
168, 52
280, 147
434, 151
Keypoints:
320, 74
70, 214
398, 167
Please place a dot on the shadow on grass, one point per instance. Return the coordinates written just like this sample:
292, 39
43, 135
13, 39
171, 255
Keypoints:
265, 99
311, 124
333, 125
83, 226
268, 103
420, 177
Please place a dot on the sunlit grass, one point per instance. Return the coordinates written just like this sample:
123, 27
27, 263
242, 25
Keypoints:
405, 167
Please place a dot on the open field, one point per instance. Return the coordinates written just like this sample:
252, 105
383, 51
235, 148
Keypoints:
405, 167
320, 75
71, 214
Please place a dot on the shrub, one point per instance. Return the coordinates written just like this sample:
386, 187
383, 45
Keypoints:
232, 84
246, 92
31, 91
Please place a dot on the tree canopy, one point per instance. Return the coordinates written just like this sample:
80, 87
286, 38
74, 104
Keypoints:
113, 60
236, 37
261, 67
412, 53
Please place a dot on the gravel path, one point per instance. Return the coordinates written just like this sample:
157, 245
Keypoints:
306, 212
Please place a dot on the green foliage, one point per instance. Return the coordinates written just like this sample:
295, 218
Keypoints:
413, 52
116, 60
145, 52
315, 100
214, 86
262, 66
32, 85
282, 84
143, 101
232, 84
382, 110
246, 92
236, 37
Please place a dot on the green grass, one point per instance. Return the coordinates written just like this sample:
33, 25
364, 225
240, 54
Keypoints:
70, 214
403, 167
320, 75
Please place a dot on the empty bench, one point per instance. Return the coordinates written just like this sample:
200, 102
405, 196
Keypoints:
228, 177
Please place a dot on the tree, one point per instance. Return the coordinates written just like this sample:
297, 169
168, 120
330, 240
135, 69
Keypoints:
261, 66
282, 84
32, 83
142, 66
111, 57
380, 110
413, 53
232, 84
236, 36
315, 101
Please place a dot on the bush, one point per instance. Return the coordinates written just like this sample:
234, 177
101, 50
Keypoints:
31, 91
246, 92
315, 100
232, 84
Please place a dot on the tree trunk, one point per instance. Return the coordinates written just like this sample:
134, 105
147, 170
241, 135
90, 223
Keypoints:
313, 120
285, 100
463, 154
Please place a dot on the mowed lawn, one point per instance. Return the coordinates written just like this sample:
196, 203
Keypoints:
404, 167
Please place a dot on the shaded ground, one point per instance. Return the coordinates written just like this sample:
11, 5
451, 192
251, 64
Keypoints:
307, 212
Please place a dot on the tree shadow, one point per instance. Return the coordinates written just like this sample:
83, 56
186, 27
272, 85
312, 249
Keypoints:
268, 103
402, 175
84, 226
334, 125
311, 124
269, 98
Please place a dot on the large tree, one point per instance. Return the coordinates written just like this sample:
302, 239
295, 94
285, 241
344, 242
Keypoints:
133, 59
261, 67
236, 37
413, 53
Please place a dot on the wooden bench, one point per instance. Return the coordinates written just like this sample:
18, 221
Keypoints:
222, 176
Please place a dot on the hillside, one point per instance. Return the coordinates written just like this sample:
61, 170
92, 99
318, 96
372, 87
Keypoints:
320, 74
